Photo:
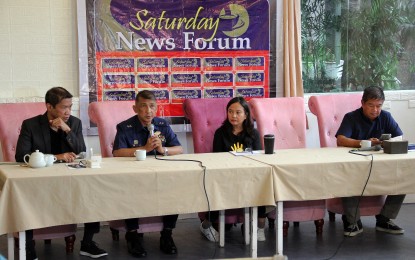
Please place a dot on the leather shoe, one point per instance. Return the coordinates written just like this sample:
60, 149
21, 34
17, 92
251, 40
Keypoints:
134, 245
30, 250
167, 245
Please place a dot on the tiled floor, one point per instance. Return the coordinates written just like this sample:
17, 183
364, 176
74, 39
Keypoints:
301, 242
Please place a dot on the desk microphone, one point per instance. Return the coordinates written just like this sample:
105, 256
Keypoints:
151, 129
372, 148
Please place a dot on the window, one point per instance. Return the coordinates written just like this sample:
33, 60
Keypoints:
350, 44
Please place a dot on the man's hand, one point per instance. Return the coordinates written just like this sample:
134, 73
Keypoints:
154, 142
67, 157
58, 123
375, 141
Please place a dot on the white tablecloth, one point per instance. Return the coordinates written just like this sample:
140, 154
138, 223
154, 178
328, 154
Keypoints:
124, 188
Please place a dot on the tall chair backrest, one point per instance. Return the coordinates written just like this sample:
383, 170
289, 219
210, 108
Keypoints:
283, 117
106, 115
11, 118
330, 110
205, 115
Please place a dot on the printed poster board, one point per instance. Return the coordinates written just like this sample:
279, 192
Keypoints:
178, 49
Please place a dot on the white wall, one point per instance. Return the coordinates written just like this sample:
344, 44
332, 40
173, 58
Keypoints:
38, 47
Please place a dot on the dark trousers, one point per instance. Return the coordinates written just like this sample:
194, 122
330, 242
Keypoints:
169, 222
390, 209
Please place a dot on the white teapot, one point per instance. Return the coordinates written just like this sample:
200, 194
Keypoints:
36, 159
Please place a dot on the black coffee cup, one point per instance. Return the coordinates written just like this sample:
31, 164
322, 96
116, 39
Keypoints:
269, 143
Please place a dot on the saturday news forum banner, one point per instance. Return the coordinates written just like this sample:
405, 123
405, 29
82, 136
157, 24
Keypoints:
178, 50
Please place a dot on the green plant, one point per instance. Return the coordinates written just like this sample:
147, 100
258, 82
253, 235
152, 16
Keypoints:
371, 39
377, 39
316, 24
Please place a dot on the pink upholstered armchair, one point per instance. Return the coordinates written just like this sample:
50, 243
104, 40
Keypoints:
330, 110
106, 115
12, 116
207, 115
285, 118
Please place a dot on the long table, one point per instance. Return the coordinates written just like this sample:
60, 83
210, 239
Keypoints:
323, 173
163, 187
124, 188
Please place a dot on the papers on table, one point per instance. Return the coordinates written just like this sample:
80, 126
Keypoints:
246, 153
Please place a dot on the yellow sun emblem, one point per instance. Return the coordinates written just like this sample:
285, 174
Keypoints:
237, 147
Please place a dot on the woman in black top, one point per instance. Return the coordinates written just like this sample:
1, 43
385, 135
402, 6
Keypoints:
238, 134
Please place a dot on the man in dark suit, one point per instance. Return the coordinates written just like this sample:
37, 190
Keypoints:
59, 133
56, 126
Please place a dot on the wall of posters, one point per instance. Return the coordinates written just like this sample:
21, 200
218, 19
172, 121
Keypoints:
178, 49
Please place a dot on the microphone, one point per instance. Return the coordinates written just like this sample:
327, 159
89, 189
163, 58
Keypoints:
372, 148
150, 128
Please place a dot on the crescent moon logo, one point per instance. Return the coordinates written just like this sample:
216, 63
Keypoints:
239, 14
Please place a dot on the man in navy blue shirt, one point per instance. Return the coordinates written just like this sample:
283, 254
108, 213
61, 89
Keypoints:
133, 134
368, 123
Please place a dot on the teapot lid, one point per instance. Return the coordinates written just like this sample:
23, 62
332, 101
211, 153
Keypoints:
37, 152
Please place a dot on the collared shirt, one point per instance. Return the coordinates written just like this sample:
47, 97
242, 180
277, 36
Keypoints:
131, 133
357, 126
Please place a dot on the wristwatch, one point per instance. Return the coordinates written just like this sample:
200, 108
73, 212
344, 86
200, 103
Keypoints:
166, 151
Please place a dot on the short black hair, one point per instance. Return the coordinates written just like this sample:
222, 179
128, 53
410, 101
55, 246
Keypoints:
146, 94
55, 95
373, 92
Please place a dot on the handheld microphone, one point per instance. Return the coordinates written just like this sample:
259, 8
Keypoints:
151, 129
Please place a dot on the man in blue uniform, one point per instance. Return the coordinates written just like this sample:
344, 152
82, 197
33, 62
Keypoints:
368, 123
136, 133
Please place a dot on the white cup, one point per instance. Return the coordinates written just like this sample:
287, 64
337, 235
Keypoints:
94, 161
365, 144
96, 158
50, 159
140, 155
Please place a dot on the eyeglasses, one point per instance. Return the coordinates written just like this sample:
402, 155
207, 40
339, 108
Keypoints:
248, 150
81, 164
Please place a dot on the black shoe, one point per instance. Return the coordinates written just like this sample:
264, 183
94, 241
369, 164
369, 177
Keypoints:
92, 250
389, 227
30, 250
228, 227
347, 223
134, 245
271, 223
167, 245
351, 229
